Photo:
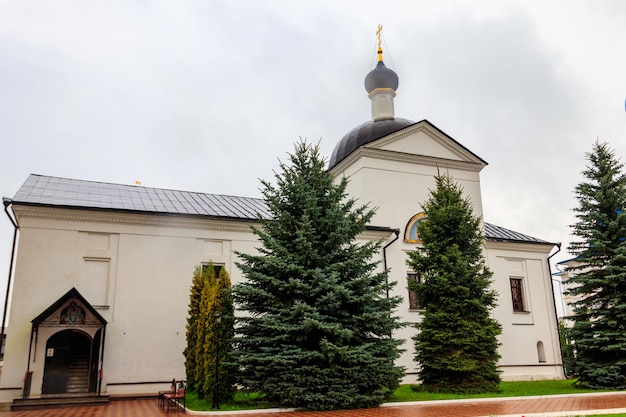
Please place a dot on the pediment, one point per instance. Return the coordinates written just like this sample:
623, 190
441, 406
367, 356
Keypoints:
423, 139
71, 310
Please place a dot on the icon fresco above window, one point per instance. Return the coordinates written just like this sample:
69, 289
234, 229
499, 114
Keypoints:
410, 233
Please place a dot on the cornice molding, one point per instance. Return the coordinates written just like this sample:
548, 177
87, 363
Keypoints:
152, 220
406, 158
543, 248
423, 127
419, 159
468, 161
374, 235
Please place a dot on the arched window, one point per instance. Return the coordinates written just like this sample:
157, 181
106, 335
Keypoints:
541, 352
410, 232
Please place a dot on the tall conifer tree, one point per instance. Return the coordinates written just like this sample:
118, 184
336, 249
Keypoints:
317, 324
456, 347
218, 341
204, 347
599, 287
199, 281
210, 344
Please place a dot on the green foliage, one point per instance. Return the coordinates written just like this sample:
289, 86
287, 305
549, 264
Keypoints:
244, 400
199, 281
316, 328
599, 287
456, 347
210, 344
567, 349
419, 392
218, 338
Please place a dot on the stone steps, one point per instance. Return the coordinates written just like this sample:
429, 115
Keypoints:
78, 376
58, 401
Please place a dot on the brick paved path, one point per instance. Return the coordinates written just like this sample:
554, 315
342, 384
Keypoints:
471, 408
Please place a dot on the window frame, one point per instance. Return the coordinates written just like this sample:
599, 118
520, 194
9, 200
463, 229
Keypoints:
216, 268
518, 296
414, 304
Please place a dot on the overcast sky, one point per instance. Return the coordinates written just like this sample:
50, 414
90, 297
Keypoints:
207, 95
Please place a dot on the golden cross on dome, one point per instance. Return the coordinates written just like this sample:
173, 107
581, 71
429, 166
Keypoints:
379, 37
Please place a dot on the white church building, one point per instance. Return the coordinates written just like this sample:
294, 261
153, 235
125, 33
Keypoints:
101, 272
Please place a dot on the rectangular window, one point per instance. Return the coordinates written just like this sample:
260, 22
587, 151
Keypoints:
414, 303
216, 268
517, 294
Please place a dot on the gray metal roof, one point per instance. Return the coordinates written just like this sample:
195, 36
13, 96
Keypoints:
364, 134
501, 234
373, 130
65, 192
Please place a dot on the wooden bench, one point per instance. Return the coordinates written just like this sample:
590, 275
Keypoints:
161, 397
172, 399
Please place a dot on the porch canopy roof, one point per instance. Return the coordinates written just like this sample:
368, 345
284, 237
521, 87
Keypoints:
94, 318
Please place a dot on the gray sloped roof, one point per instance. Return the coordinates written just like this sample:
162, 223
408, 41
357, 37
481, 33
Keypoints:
373, 130
364, 134
64, 192
501, 234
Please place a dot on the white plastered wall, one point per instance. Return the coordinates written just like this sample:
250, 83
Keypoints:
396, 176
150, 266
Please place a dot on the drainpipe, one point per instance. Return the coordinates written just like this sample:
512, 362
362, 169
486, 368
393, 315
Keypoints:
7, 202
556, 315
397, 232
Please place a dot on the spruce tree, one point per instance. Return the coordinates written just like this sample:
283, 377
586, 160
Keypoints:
456, 347
599, 287
315, 333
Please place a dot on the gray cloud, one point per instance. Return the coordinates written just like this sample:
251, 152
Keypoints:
207, 95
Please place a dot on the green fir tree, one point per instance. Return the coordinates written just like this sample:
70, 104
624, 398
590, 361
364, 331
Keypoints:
456, 347
315, 333
599, 285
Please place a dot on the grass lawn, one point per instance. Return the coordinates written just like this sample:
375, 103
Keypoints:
507, 389
610, 415
242, 401
250, 401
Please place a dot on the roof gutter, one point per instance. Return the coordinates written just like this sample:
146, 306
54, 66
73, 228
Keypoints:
556, 315
7, 202
397, 232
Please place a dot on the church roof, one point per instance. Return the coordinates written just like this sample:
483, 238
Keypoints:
383, 122
71, 294
72, 193
381, 77
501, 234
41, 190
373, 130
364, 134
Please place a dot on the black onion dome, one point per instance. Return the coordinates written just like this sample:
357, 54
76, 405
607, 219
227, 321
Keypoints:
381, 77
364, 134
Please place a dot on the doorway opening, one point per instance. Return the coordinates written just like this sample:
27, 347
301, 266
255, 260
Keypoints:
71, 358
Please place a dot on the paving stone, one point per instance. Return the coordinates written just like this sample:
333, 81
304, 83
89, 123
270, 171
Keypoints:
557, 405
